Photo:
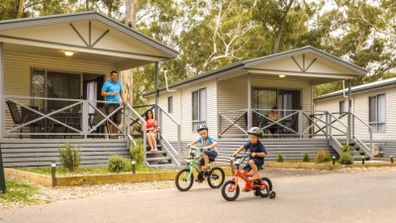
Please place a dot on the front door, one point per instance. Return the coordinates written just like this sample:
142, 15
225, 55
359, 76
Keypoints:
266, 99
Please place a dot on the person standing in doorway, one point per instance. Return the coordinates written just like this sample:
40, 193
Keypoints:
114, 95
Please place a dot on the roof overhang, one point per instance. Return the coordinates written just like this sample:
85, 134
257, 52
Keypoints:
88, 34
307, 62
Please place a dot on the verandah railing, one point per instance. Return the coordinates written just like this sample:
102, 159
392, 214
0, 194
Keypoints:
296, 123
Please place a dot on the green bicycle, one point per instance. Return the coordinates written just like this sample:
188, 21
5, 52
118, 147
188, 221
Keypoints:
185, 177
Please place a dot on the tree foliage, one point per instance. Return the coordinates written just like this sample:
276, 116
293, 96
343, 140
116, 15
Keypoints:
212, 34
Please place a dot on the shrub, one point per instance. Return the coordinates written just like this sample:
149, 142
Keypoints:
306, 157
137, 152
70, 157
118, 164
345, 148
322, 156
345, 157
280, 158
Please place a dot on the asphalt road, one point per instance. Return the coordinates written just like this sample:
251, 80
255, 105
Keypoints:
368, 196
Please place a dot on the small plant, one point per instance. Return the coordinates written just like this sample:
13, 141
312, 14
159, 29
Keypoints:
306, 157
280, 158
345, 148
137, 152
118, 164
322, 156
70, 157
345, 157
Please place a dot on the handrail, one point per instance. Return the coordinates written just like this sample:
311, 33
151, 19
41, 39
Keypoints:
167, 114
163, 111
370, 129
366, 149
338, 146
173, 150
57, 99
143, 129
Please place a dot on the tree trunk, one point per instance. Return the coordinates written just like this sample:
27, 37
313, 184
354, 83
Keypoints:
87, 5
131, 13
20, 9
278, 33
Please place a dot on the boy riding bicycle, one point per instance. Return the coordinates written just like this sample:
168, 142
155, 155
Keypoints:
208, 143
256, 149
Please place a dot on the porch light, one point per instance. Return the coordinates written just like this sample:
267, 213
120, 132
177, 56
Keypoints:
282, 75
69, 53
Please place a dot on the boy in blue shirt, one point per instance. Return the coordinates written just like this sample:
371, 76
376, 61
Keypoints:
256, 149
210, 146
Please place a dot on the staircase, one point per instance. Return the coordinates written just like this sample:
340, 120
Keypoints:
159, 158
166, 154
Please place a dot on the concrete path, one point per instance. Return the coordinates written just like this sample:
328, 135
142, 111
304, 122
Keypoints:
361, 196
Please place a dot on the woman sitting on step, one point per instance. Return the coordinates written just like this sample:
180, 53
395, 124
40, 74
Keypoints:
152, 130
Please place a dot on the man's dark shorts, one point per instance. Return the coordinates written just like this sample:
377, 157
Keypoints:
258, 162
116, 118
212, 154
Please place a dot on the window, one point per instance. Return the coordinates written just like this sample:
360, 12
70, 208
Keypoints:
198, 107
341, 106
37, 88
54, 85
377, 112
170, 104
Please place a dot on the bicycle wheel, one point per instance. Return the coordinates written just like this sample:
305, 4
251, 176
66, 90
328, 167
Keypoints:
216, 177
264, 192
230, 190
184, 180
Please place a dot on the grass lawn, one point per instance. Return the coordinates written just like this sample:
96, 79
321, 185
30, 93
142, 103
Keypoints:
61, 171
18, 193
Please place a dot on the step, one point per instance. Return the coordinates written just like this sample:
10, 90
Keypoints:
156, 152
157, 160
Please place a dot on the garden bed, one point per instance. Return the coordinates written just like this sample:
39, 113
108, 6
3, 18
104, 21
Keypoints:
92, 176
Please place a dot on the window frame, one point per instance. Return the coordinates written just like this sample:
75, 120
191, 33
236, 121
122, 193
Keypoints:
375, 124
200, 120
170, 104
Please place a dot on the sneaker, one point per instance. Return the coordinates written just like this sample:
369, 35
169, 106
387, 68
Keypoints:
200, 178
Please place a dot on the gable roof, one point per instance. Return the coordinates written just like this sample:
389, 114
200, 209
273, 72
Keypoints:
248, 64
13, 24
359, 88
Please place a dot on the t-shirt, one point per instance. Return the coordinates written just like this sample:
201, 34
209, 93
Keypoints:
255, 148
110, 87
207, 142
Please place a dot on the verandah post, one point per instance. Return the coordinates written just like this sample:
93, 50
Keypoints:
249, 102
2, 118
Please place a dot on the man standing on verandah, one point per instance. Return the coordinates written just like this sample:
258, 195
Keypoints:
113, 92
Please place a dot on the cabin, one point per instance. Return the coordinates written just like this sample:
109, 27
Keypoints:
51, 72
234, 98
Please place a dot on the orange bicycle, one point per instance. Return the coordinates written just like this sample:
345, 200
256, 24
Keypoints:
262, 187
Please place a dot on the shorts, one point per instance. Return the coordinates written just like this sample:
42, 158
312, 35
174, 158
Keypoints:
258, 162
116, 118
212, 154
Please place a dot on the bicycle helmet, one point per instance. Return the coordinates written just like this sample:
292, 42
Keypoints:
256, 131
201, 127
